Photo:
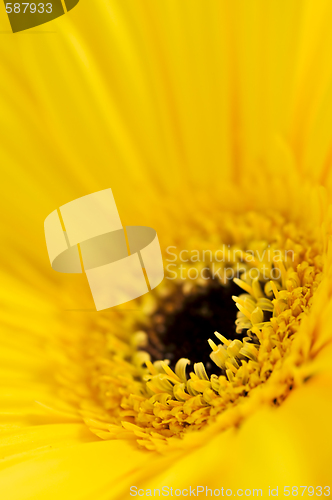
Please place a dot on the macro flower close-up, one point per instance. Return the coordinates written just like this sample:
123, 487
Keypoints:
211, 122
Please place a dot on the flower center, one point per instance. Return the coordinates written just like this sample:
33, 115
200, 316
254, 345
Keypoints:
183, 323
199, 353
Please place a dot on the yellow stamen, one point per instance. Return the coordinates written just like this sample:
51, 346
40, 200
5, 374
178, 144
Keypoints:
244, 286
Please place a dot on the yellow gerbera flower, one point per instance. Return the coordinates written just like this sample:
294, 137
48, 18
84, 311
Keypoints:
211, 122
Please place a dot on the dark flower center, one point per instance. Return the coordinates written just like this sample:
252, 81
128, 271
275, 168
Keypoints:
183, 324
